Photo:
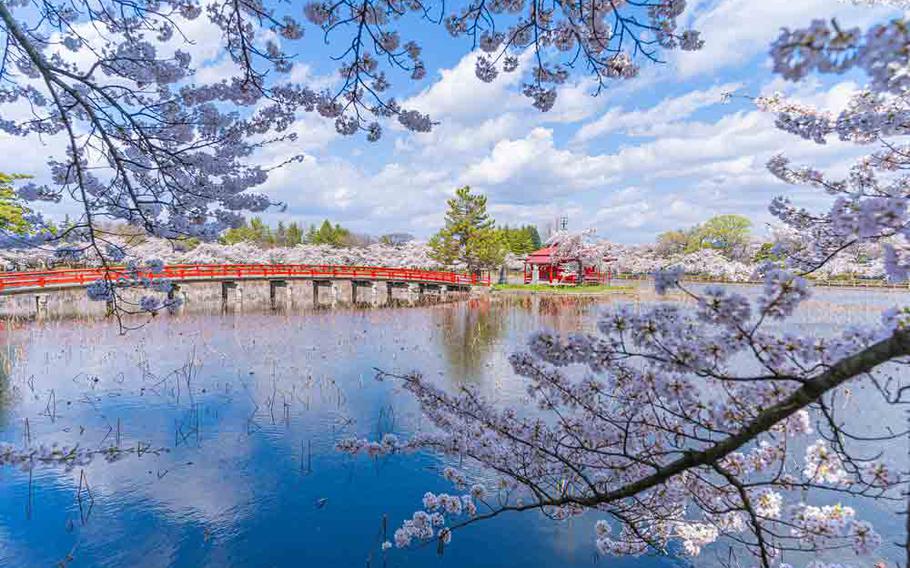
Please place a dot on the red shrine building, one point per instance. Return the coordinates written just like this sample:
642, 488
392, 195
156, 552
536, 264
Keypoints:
539, 267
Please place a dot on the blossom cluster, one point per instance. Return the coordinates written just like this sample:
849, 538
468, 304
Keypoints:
694, 423
412, 254
389, 444
663, 384
826, 523
67, 457
429, 523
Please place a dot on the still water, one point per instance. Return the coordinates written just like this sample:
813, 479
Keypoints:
236, 417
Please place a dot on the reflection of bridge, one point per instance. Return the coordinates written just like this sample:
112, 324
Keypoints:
300, 285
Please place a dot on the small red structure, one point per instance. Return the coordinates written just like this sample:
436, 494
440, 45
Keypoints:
549, 271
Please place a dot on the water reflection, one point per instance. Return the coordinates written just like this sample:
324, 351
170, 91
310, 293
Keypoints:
238, 416
7, 393
470, 332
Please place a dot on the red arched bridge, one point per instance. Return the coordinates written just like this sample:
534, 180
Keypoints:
34, 281
279, 285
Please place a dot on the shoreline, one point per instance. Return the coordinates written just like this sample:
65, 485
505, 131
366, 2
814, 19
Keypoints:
563, 291
634, 286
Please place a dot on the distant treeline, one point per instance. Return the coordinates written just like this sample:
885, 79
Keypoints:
287, 235
517, 240
520, 240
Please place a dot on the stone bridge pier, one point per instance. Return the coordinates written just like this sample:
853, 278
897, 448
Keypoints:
231, 296
301, 294
343, 292
323, 294
415, 293
278, 295
382, 293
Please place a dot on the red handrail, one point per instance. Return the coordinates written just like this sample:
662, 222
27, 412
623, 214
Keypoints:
12, 281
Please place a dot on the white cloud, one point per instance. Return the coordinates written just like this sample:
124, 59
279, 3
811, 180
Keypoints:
400, 196
459, 94
694, 168
461, 140
533, 168
668, 110
735, 31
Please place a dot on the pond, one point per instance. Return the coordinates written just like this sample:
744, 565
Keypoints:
228, 424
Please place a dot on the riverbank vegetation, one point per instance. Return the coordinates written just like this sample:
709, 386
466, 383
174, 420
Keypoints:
547, 289
861, 262
14, 213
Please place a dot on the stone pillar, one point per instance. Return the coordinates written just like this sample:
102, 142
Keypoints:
415, 293
255, 293
398, 292
323, 293
363, 292
278, 295
344, 291
535, 274
204, 293
302, 294
431, 292
41, 310
231, 296
382, 293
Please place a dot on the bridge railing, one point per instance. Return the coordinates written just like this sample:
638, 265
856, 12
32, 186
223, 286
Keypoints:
10, 281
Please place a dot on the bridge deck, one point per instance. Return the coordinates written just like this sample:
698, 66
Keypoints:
31, 281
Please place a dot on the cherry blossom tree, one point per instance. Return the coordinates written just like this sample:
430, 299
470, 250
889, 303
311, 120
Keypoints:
576, 250
412, 254
706, 263
676, 427
682, 428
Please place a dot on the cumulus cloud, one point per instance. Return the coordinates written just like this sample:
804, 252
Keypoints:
472, 116
736, 31
399, 196
671, 109
459, 94
535, 162
675, 167
646, 155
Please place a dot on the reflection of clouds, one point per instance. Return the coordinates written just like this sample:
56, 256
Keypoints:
213, 490
245, 381
9, 548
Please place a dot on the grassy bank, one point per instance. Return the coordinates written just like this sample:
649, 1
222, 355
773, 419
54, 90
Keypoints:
547, 289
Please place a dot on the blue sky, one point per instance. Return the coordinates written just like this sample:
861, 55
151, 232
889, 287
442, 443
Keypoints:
649, 154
